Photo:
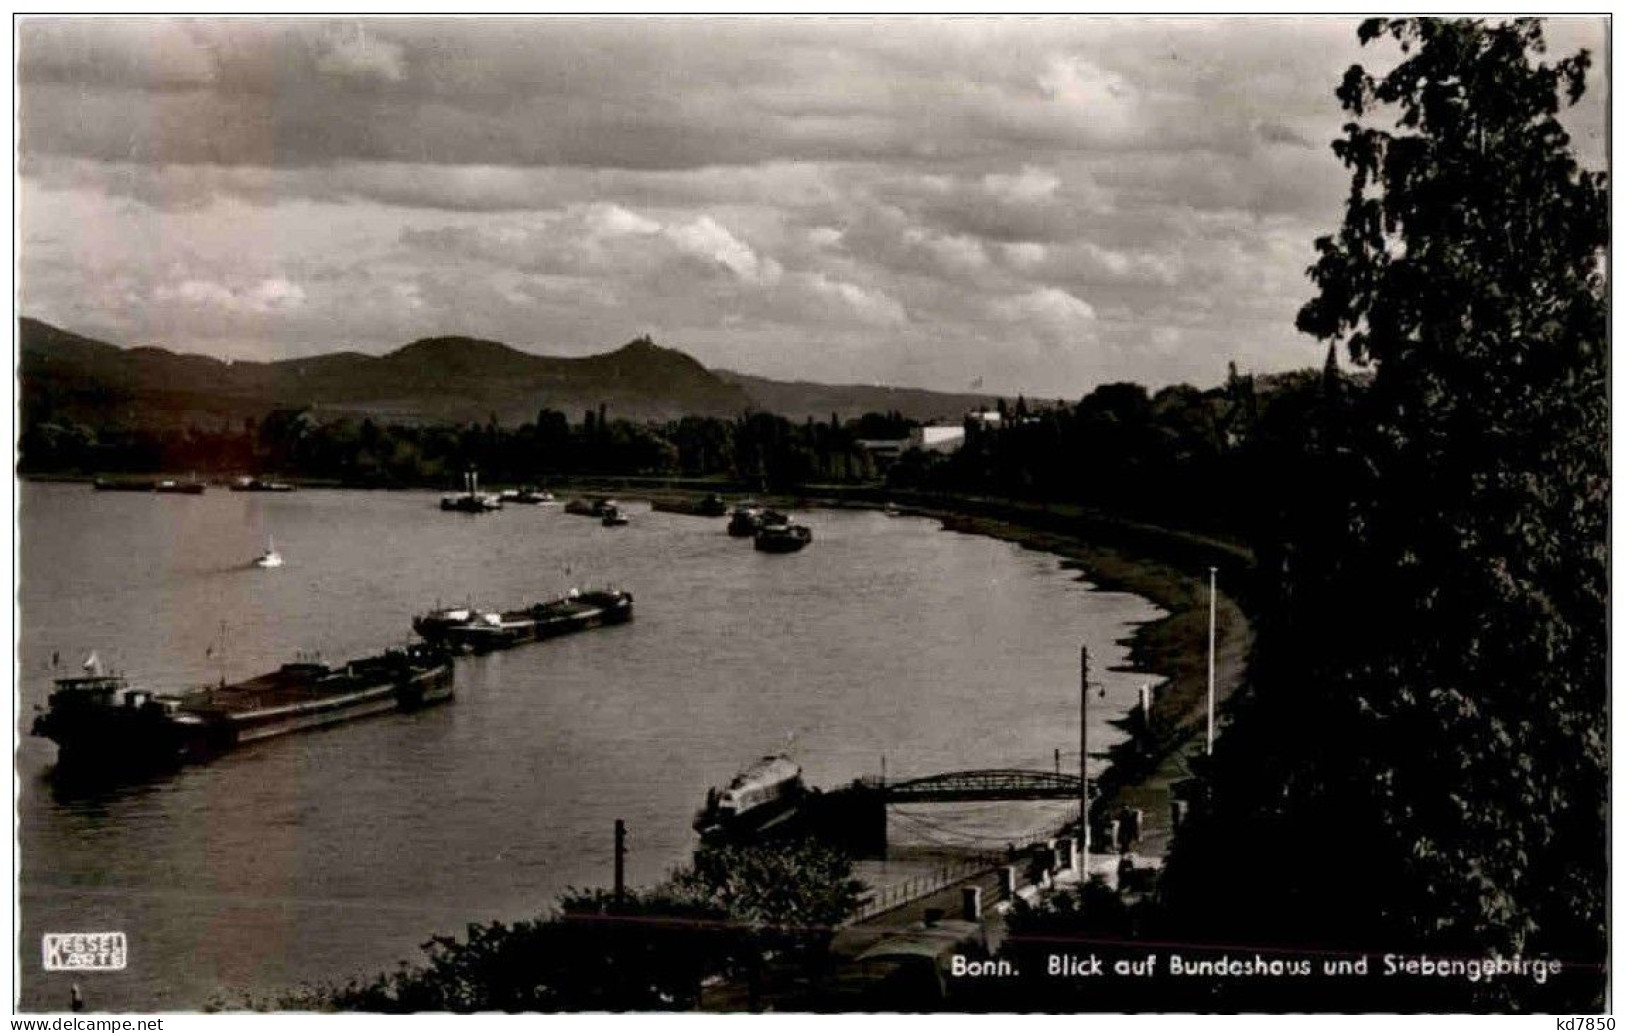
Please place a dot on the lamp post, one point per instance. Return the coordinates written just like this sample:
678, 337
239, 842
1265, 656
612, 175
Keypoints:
1212, 637
1083, 755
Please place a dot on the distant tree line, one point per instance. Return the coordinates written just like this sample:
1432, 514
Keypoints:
756, 448
1198, 458
1212, 459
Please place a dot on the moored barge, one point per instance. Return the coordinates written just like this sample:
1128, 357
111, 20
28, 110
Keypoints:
590, 507
256, 484
469, 630
100, 721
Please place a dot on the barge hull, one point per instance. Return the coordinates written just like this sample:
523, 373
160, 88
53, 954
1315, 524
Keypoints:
518, 627
422, 691
111, 728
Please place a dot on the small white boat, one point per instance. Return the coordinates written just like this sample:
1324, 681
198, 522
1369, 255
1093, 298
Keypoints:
270, 557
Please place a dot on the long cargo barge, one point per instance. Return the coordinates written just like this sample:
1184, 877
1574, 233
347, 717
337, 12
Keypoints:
469, 630
100, 721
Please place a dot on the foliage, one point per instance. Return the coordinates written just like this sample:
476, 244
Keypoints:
758, 449
1426, 739
649, 952
1201, 459
794, 896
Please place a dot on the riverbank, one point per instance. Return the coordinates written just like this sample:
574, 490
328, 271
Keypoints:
1144, 770
1169, 567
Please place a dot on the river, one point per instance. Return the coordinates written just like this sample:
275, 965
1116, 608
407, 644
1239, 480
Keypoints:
337, 853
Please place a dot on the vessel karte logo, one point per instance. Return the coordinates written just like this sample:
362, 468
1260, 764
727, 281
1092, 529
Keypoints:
84, 952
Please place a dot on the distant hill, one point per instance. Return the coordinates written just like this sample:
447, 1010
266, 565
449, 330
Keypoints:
65, 376
436, 380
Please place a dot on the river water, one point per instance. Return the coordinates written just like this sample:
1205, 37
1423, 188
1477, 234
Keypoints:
337, 853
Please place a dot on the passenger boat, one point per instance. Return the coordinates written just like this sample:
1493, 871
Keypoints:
785, 537
179, 487
100, 722
763, 792
471, 630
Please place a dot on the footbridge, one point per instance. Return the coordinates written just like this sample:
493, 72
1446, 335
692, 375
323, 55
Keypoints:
854, 815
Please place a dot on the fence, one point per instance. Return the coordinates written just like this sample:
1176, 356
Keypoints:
889, 898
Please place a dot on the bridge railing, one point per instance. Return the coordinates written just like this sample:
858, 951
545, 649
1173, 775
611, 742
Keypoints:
989, 783
899, 894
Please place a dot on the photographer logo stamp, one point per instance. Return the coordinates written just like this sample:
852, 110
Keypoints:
84, 952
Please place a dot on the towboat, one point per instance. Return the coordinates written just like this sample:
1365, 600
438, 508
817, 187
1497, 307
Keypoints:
99, 721
746, 520
467, 629
785, 537
471, 500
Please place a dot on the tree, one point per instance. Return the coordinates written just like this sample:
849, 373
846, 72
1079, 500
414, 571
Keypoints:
798, 893
1426, 732
648, 952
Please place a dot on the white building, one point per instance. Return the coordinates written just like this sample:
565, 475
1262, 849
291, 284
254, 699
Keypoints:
937, 438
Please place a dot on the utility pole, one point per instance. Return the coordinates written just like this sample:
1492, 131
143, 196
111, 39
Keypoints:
620, 863
1083, 753
1212, 638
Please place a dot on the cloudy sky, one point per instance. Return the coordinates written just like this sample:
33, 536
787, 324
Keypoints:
1045, 204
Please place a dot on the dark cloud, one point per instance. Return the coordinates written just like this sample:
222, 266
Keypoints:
1275, 132
624, 93
1043, 202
